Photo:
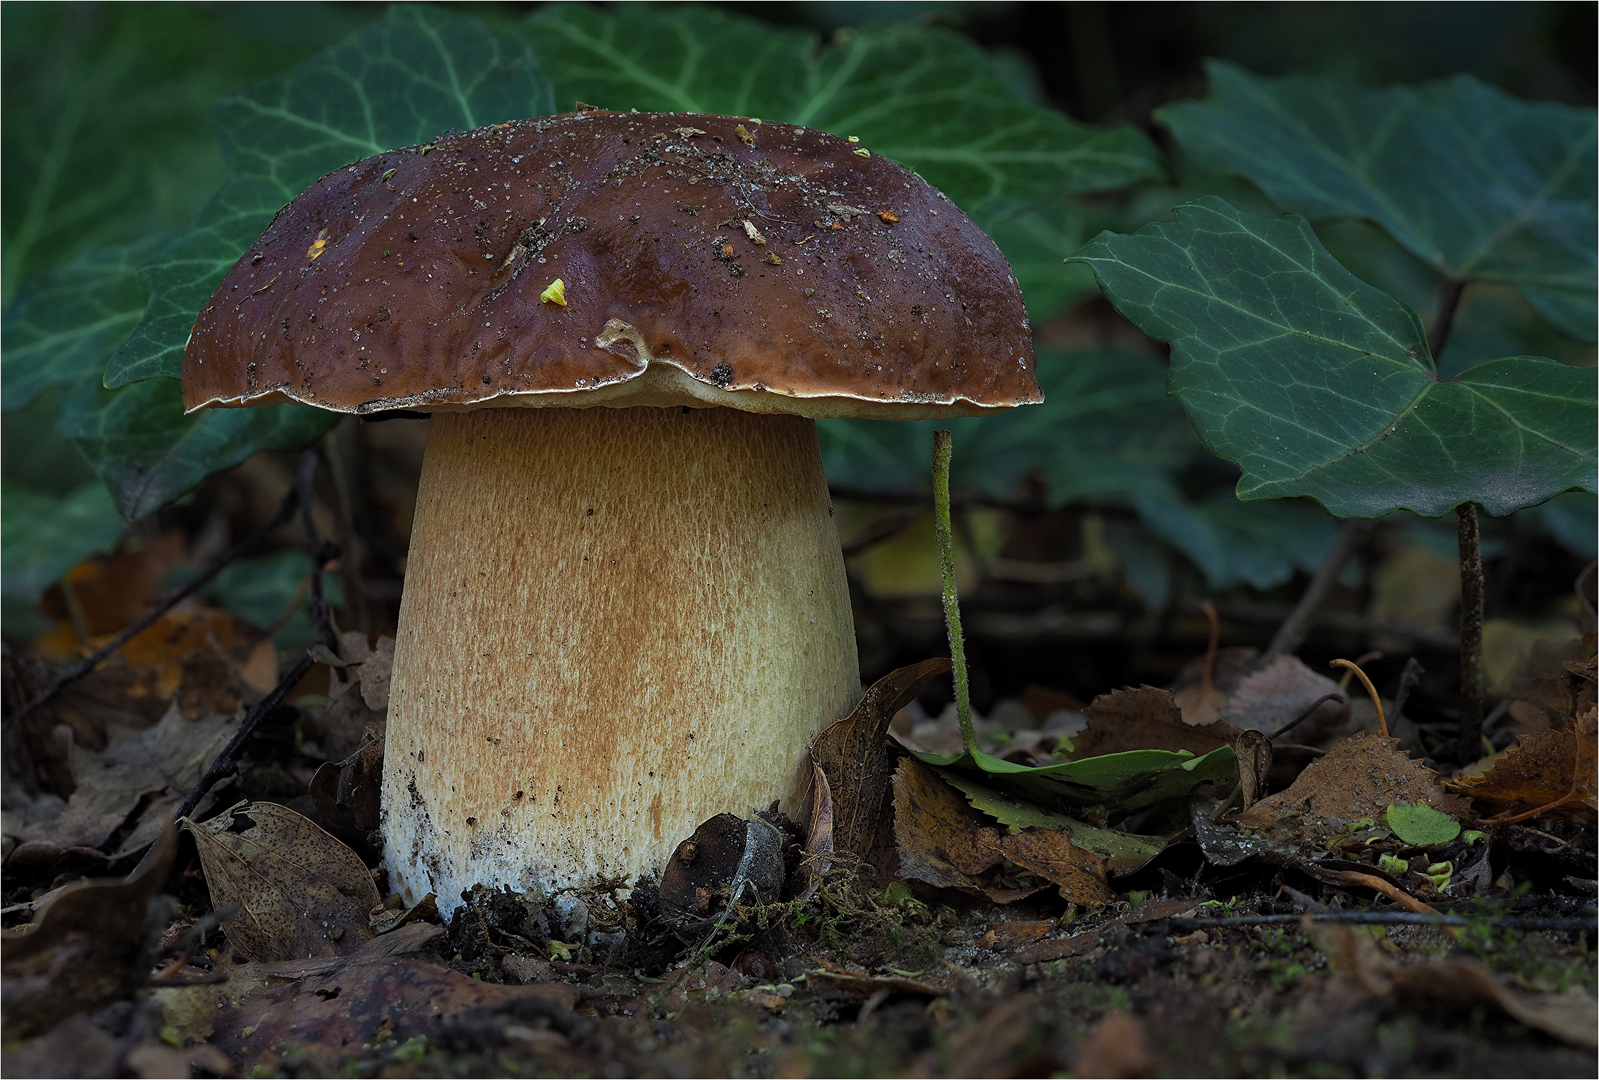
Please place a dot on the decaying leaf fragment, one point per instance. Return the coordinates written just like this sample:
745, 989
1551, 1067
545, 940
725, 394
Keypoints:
943, 842
158, 766
82, 948
1549, 772
300, 893
1360, 777
1145, 718
1123, 852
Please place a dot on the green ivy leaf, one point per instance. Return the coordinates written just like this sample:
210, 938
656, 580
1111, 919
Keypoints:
149, 453
1473, 181
1121, 783
1106, 431
63, 325
1320, 385
415, 73
1420, 825
926, 97
44, 536
1259, 544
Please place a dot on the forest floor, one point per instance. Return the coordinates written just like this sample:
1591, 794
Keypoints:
1264, 919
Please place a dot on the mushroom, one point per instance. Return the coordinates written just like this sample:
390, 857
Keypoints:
625, 607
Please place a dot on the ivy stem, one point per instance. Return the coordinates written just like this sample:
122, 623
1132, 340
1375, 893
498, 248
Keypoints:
943, 450
1471, 577
1471, 582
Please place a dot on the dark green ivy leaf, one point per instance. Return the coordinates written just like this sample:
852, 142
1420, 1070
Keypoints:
417, 72
149, 453
1320, 385
65, 323
1473, 181
43, 536
1105, 432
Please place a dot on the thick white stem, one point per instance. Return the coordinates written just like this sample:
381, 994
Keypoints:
617, 623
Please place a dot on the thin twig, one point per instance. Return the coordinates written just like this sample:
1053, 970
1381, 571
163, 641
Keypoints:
94, 659
1292, 633
1469, 748
1302, 717
322, 552
943, 450
1390, 918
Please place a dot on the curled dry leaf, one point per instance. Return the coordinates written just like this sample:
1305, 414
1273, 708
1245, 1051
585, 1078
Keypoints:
1116, 1047
358, 695
83, 948
1360, 777
300, 893
858, 760
347, 793
1548, 772
819, 837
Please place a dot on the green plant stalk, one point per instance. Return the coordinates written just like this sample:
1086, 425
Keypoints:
943, 450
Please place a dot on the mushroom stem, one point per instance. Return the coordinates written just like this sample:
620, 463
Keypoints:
617, 623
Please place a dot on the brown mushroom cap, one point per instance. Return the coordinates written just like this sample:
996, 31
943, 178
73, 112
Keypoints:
766, 267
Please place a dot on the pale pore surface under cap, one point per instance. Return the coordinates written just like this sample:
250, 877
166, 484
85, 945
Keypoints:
635, 618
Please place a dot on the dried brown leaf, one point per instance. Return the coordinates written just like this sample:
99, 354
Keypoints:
1145, 718
1077, 872
1268, 698
162, 762
300, 892
1360, 777
937, 833
858, 760
82, 948
1547, 772
1116, 1047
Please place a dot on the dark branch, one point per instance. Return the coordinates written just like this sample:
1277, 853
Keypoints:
1292, 633
94, 659
322, 552
1471, 615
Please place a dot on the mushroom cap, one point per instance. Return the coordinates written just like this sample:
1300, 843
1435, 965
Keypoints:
705, 260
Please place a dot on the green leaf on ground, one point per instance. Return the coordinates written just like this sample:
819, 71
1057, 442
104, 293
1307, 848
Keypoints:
417, 72
1121, 783
1320, 385
1421, 825
1473, 181
1123, 852
149, 453
42, 536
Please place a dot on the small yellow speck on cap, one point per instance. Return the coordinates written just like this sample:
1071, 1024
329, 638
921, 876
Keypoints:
555, 293
317, 245
861, 152
853, 138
